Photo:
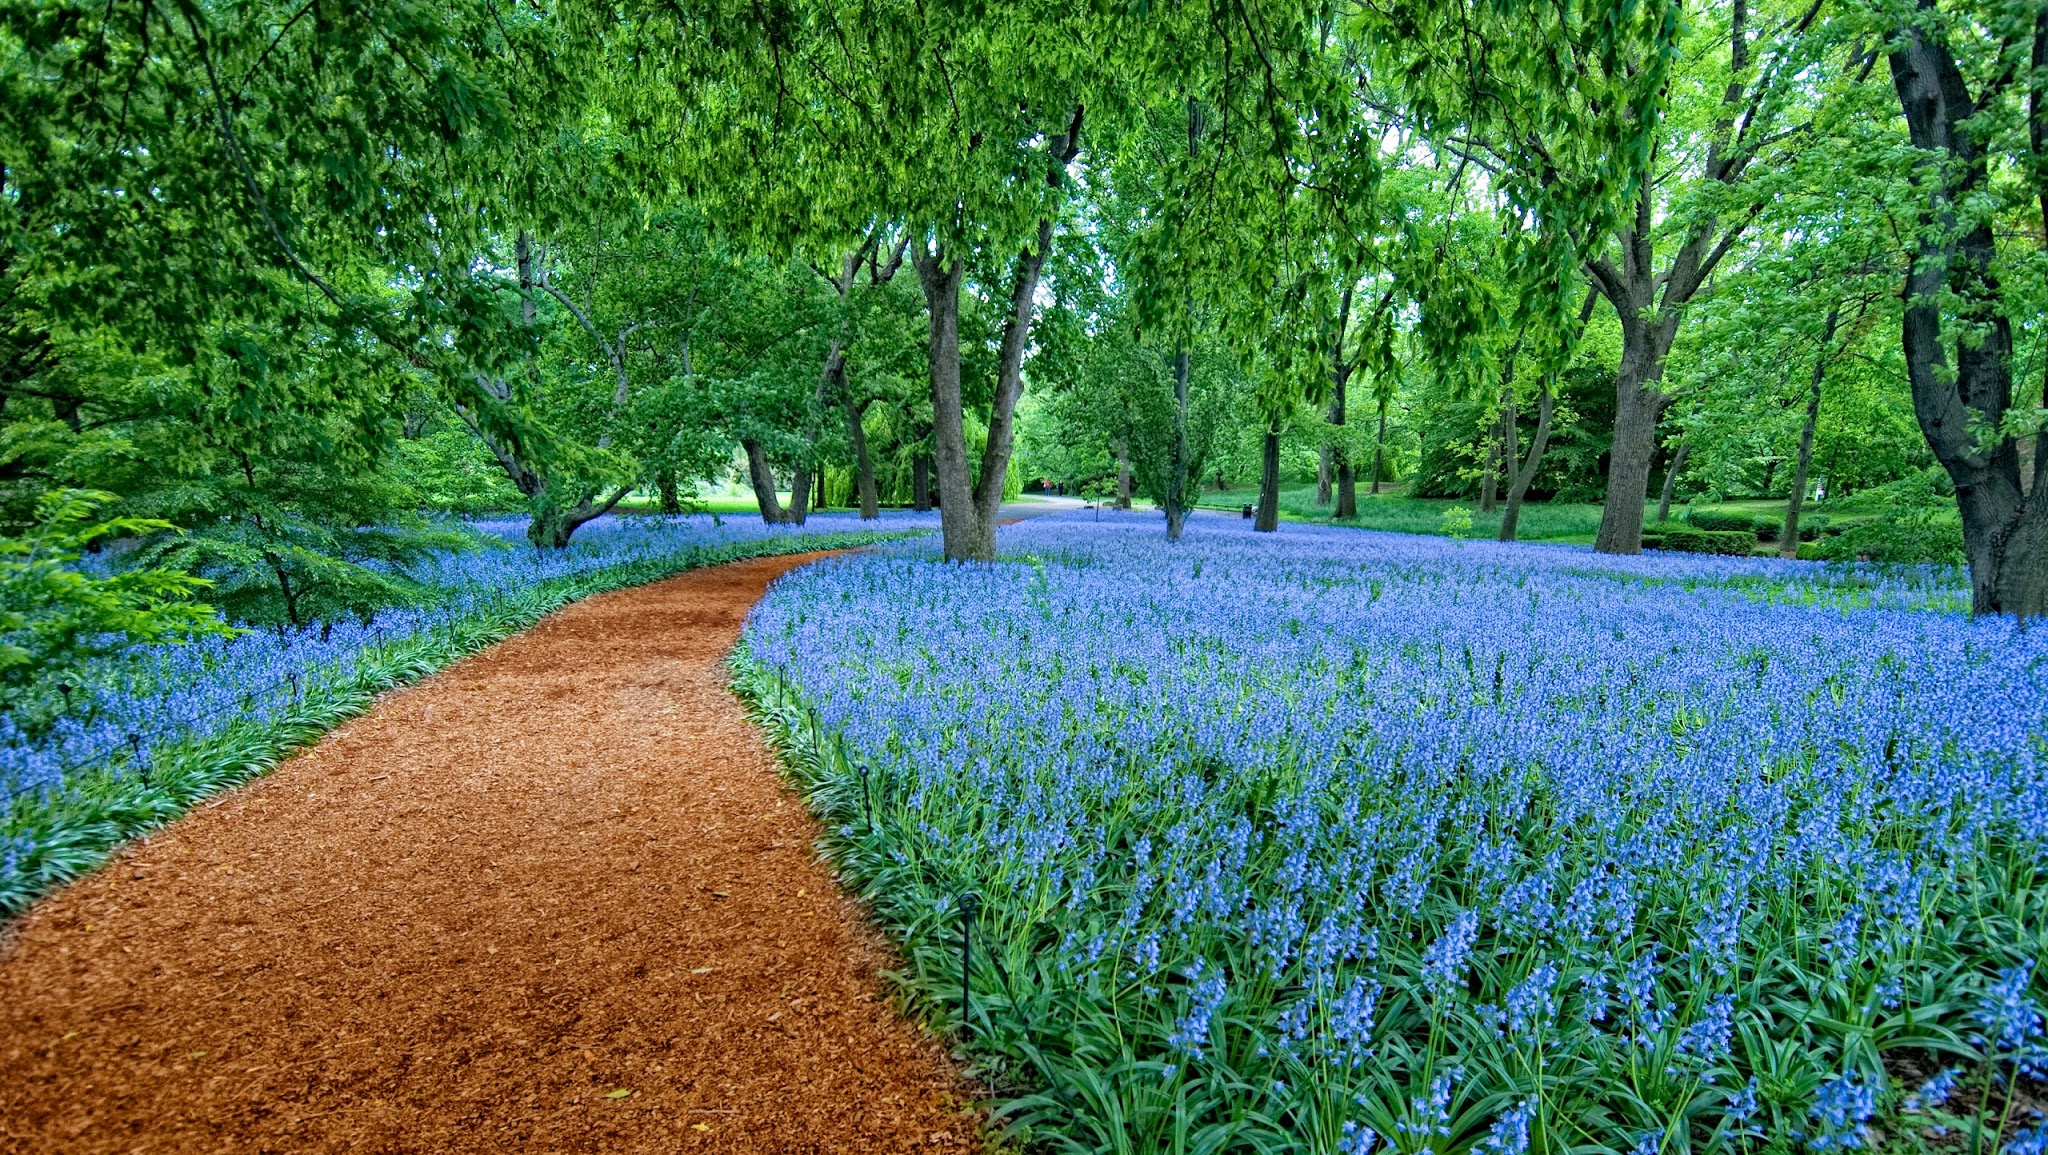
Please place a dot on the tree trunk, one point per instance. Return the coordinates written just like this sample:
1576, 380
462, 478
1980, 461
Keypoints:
921, 482
554, 520
1522, 476
1489, 474
1628, 470
1379, 448
967, 515
1178, 466
665, 486
1671, 473
940, 277
1788, 538
554, 524
1123, 478
863, 465
1335, 461
762, 475
1649, 323
1268, 518
799, 494
2005, 537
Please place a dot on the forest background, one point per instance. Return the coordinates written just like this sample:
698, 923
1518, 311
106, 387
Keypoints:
286, 289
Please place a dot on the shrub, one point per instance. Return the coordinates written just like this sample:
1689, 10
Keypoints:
1721, 520
1919, 525
1687, 539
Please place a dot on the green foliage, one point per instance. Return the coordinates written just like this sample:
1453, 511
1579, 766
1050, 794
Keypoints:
1686, 539
58, 616
1918, 524
1761, 528
448, 471
1457, 521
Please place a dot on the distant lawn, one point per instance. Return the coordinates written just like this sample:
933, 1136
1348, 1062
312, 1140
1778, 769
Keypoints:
1558, 521
1541, 521
717, 503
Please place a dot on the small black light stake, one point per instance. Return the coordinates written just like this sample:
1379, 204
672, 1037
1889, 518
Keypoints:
970, 904
867, 798
293, 678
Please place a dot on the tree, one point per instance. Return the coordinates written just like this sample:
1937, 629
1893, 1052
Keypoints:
1633, 139
1972, 83
957, 123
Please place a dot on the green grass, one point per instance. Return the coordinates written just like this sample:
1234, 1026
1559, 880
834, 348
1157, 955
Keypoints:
1576, 523
1541, 521
716, 503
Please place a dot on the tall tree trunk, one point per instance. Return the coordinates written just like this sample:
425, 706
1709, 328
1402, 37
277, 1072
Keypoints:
863, 465
1518, 486
1379, 448
556, 513
1123, 478
1178, 467
1326, 473
1268, 518
665, 486
799, 494
940, 276
762, 475
1788, 538
2005, 536
967, 511
1335, 457
1671, 473
1489, 474
921, 482
1650, 303
1646, 335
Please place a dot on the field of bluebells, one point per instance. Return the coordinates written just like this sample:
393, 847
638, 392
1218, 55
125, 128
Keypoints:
1338, 842
144, 737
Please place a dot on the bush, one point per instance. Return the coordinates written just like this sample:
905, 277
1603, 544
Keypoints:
1725, 520
1919, 525
57, 616
1689, 539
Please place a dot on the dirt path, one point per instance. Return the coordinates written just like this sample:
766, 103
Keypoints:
562, 869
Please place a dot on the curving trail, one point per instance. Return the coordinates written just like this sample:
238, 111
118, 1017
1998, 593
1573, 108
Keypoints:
562, 869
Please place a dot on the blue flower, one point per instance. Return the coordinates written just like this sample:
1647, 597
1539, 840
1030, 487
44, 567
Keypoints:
1840, 1109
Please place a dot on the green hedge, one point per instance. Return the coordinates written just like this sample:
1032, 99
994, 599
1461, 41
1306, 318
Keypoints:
73, 832
1688, 539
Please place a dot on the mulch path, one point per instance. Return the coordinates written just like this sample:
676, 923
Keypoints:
562, 869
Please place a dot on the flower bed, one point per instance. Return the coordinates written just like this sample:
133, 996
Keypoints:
1335, 841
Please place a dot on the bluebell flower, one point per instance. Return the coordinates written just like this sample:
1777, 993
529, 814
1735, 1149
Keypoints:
1841, 1108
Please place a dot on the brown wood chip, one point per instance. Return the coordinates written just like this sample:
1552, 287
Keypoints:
475, 956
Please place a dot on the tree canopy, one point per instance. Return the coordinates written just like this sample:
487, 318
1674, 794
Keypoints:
293, 286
